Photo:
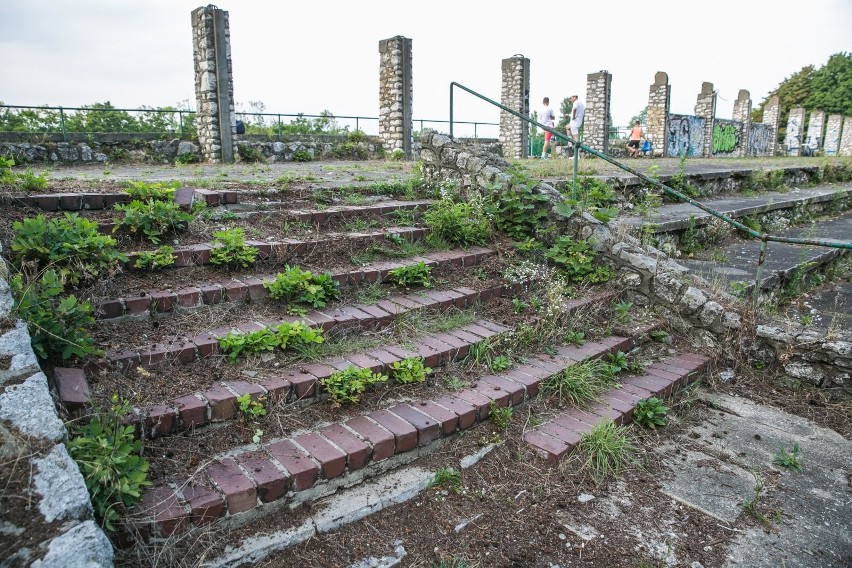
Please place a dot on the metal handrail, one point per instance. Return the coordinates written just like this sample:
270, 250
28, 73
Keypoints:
764, 238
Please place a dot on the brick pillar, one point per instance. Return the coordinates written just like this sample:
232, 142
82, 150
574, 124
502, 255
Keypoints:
817, 121
659, 103
795, 130
515, 94
742, 114
705, 107
396, 127
214, 84
832, 134
846, 138
596, 120
772, 117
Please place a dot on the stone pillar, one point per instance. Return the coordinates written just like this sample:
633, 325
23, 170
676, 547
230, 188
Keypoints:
795, 129
659, 103
832, 134
772, 116
742, 113
846, 138
596, 120
705, 107
396, 91
515, 94
815, 124
214, 84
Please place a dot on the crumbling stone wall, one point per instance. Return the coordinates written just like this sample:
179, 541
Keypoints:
515, 94
772, 118
795, 131
396, 92
817, 121
597, 120
742, 114
659, 104
705, 107
846, 138
832, 134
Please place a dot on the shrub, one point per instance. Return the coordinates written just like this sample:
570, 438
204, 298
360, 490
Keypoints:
229, 248
109, 457
152, 218
350, 384
409, 370
412, 275
457, 223
158, 191
518, 209
71, 245
27, 181
295, 335
186, 158
579, 384
606, 449
249, 153
56, 323
576, 259
302, 156
297, 285
161, 258
651, 412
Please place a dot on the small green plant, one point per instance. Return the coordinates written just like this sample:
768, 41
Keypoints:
651, 412
478, 353
397, 154
518, 209
157, 191
230, 249
500, 363
500, 416
457, 223
297, 285
738, 288
751, 223
575, 337
302, 156
404, 217
455, 383
518, 306
249, 153
412, 275
110, 458
251, 409
622, 311
660, 336
295, 335
152, 218
30, 181
57, 323
409, 370
186, 158
606, 450
751, 505
348, 385
617, 362
789, 460
161, 258
576, 259
688, 240
579, 384
448, 479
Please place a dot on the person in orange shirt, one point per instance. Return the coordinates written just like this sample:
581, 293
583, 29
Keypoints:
634, 140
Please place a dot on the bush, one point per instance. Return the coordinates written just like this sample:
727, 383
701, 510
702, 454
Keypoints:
651, 412
152, 218
186, 158
56, 323
249, 153
606, 449
297, 285
229, 248
457, 223
71, 245
302, 156
518, 209
350, 384
577, 260
158, 191
108, 456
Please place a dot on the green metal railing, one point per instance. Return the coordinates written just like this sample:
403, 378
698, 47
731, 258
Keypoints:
748, 231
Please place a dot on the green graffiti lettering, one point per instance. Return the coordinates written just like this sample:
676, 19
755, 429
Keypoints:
724, 138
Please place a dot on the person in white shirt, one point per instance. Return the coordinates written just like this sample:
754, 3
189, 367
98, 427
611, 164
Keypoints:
548, 118
578, 110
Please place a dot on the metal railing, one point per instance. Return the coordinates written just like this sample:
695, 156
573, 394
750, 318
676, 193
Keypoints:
748, 231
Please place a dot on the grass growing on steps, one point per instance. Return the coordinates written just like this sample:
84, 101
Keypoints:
606, 450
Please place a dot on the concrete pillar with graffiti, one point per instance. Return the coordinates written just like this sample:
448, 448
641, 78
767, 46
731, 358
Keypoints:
515, 94
742, 115
846, 138
705, 107
596, 120
396, 91
814, 139
795, 128
659, 103
771, 118
833, 126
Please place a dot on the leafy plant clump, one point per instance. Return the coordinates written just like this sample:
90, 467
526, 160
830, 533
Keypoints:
250, 409
576, 259
650, 413
579, 384
409, 370
606, 449
519, 210
348, 385
295, 335
57, 323
789, 460
161, 258
26, 181
109, 457
500, 416
230, 249
448, 479
157, 191
152, 218
457, 223
297, 285
71, 245
412, 275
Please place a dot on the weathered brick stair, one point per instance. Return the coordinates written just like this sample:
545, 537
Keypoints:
95, 201
319, 216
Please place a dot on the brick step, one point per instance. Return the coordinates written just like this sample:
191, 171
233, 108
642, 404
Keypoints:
320, 216
275, 471
558, 437
199, 255
251, 289
92, 201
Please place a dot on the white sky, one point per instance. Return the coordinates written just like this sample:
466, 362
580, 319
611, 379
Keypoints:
298, 56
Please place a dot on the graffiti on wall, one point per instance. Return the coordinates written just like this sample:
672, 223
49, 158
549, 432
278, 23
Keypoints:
686, 136
726, 137
814, 140
832, 136
759, 139
794, 135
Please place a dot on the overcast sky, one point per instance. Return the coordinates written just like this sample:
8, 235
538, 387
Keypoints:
306, 57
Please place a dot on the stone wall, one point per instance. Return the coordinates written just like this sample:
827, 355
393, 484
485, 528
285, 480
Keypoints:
846, 138
705, 107
659, 103
832, 134
772, 118
742, 114
396, 92
214, 83
795, 131
32, 434
597, 121
814, 140
515, 94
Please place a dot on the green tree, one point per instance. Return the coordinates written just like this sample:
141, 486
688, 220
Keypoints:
831, 86
565, 110
642, 117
